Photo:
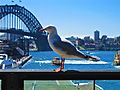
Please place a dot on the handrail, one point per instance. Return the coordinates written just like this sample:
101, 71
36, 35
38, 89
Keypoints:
14, 79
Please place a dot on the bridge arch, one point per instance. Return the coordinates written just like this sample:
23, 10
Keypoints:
26, 16
30, 22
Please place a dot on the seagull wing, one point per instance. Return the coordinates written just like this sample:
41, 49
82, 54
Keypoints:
68, 48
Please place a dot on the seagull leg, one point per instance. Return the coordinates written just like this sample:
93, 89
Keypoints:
61, 65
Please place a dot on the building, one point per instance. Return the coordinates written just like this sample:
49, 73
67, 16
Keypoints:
96, 36
72, 39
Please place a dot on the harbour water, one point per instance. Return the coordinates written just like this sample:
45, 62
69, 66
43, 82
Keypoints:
42, 61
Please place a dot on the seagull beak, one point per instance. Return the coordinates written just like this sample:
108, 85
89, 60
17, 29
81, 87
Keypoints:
42, 30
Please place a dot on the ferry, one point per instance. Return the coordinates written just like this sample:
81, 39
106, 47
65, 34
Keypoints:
117, 58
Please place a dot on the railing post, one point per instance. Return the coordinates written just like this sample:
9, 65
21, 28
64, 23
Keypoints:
12, 82
93, 84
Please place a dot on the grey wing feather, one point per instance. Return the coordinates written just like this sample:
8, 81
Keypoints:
68, 48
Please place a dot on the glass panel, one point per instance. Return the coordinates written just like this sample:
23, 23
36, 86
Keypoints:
60, 85
111, 84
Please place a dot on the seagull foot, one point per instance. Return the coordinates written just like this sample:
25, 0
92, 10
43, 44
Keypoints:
58, 70
61, 66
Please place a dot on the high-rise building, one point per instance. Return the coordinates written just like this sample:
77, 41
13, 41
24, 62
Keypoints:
96, 35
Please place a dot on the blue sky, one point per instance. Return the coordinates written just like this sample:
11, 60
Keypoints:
76, 17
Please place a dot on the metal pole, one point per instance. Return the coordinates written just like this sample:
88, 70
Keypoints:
17, 22
4, 21
8, 25
14, 17
1, 22
12, 21
7, 22
93, 84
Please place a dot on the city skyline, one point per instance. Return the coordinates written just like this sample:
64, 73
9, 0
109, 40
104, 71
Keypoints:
77, 18
95, 37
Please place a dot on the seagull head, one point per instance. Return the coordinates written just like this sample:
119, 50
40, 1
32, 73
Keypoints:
50, 29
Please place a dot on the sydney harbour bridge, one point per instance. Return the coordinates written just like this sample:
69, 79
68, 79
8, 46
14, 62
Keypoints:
18, 21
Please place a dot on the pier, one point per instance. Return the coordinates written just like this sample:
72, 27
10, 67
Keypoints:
22, 61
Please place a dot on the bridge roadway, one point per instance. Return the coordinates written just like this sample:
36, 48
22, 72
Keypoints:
40, 38
18, 31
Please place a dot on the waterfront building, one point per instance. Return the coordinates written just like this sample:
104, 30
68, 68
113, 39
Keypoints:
72, 39
96, 36
104, 39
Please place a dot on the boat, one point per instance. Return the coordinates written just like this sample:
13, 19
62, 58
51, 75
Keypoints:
2, 57
56, 61
9, 63
117, 58
6, 62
